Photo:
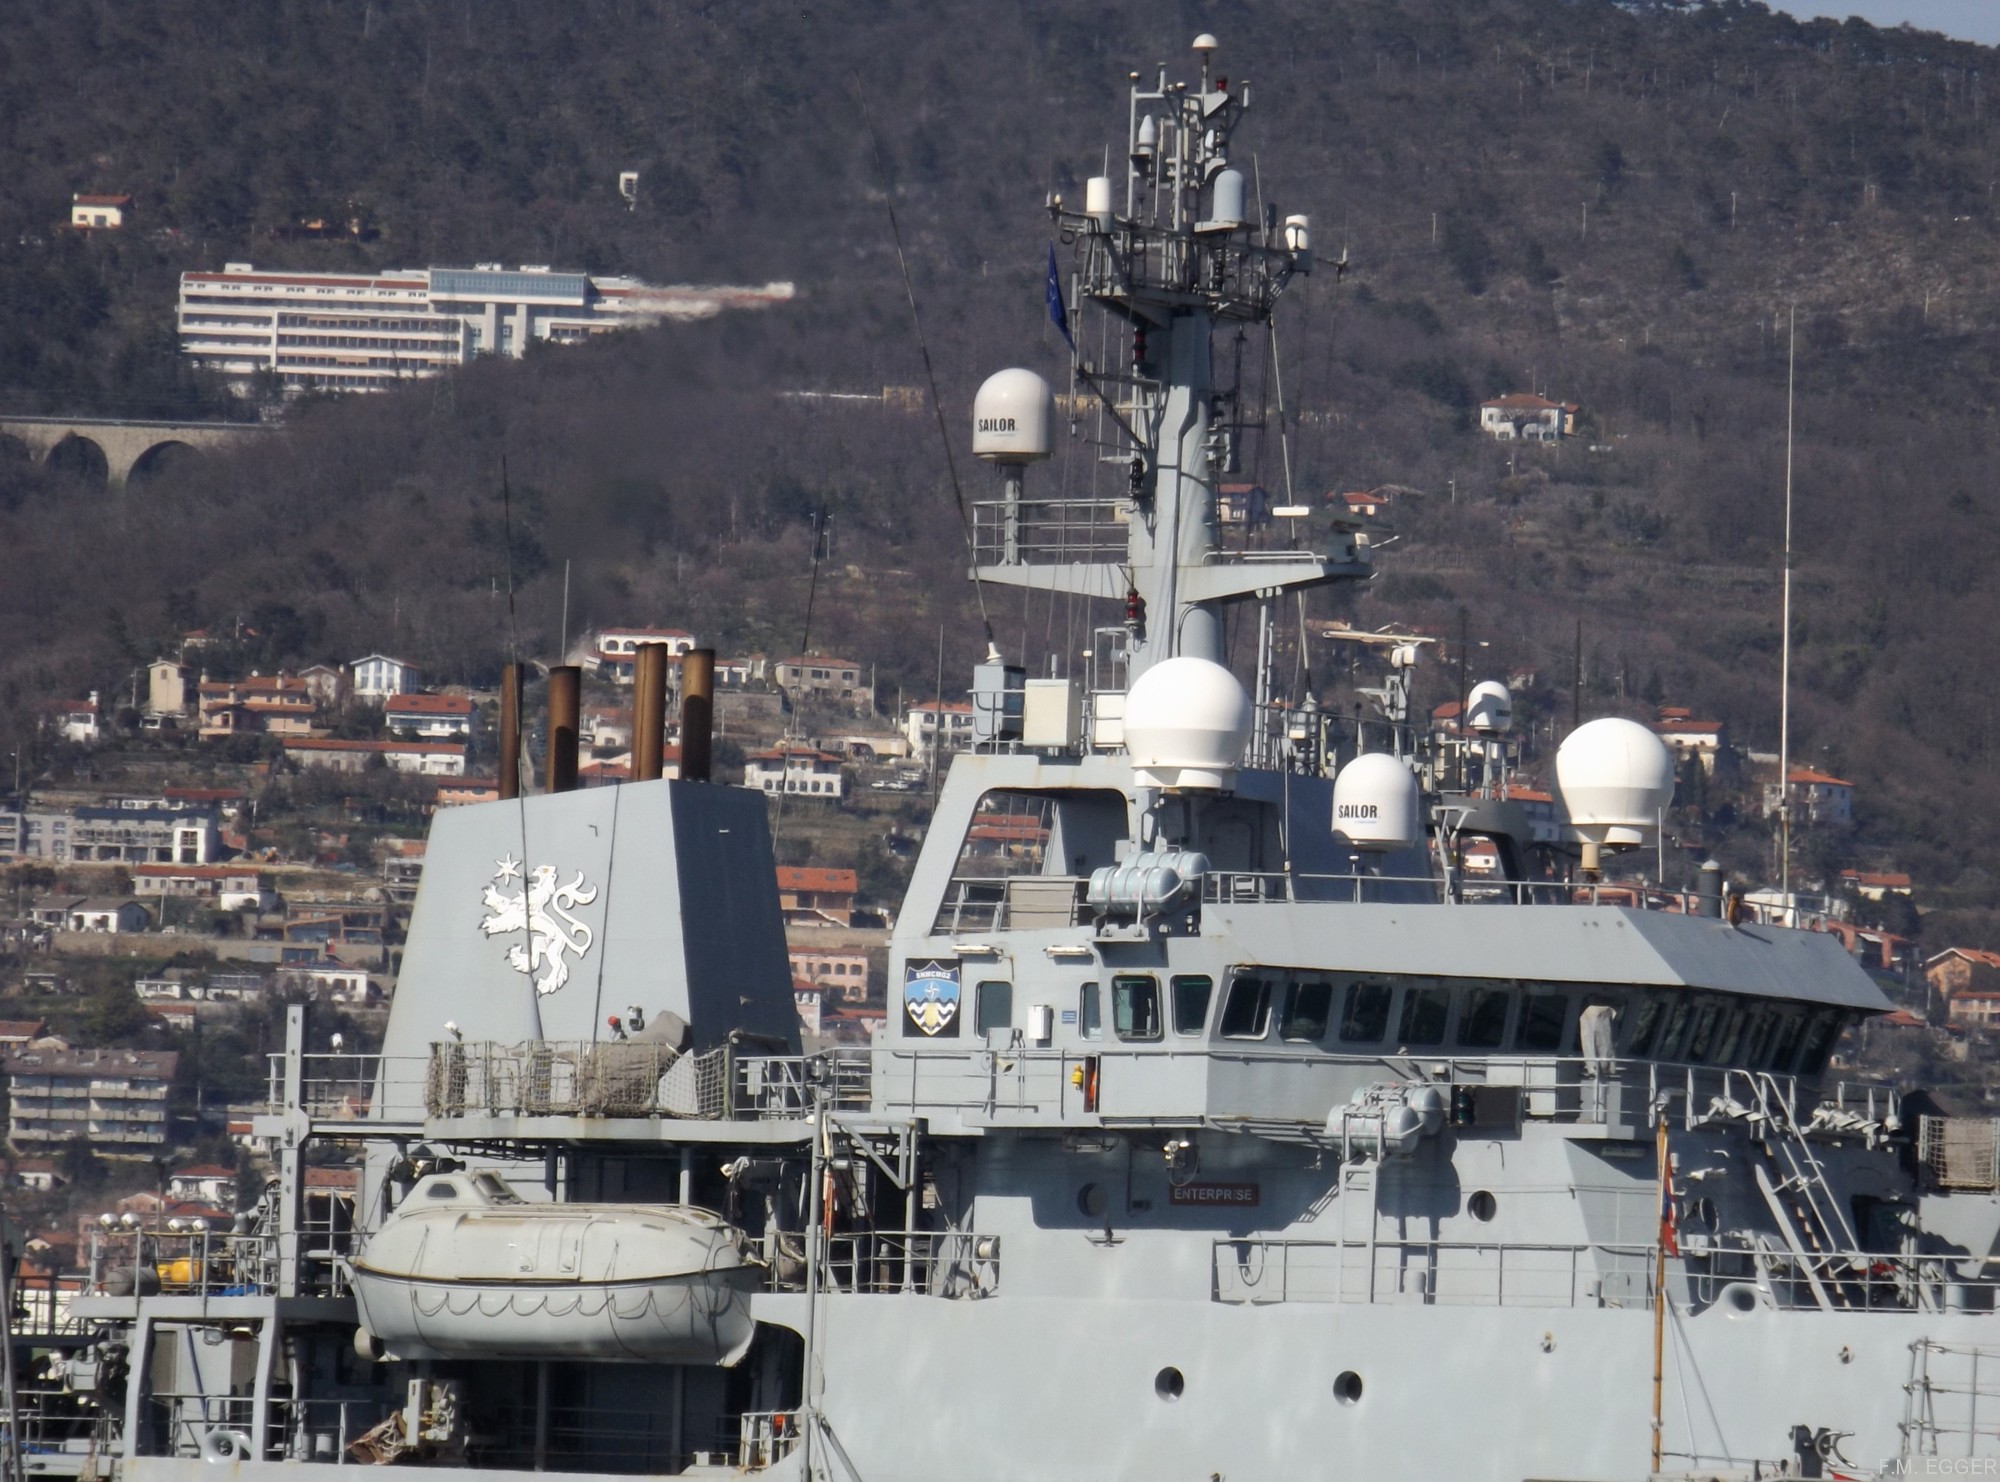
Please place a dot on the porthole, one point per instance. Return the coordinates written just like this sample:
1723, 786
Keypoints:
1091, 1201
1169, 1384
1347, 1388
1482, 1206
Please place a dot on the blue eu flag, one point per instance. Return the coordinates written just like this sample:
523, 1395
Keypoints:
1058, 315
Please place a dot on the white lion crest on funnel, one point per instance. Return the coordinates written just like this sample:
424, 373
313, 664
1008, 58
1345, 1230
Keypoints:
541, 909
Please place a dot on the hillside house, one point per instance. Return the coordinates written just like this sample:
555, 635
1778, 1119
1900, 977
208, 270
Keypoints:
93, 213
816, 897
429, 717
615, 653
1685, 737
1371, 504
1816, 797
837, 681
75, 721
1872, 887
272, 705
1527, 417
232, 887
841, 973
1243, 506
932, 723
798, 771
1959, 970
208, 1183
133, 835
423, 758
167, 688
326, 684
379, 676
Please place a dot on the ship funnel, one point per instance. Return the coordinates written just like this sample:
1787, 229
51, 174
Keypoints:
1613, 778
649, 711
1375, 804
697, 713
565, 701
1186, 722
512, 676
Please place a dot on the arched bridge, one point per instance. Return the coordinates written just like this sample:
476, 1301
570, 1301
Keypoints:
112, 451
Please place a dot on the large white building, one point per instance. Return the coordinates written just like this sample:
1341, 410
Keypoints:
361, 331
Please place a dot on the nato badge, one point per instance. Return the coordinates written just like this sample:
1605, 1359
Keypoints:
930, 997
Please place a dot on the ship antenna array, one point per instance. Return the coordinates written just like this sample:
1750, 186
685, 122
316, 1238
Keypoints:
930, 375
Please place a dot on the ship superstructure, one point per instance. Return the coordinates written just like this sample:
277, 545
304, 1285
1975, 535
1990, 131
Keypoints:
1223, 1125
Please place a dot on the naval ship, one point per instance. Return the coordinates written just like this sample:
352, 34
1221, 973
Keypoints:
1225, 1123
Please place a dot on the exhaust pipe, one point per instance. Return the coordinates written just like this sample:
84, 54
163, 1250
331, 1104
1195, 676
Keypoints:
510, 730
565, 720
649, 711
697, 712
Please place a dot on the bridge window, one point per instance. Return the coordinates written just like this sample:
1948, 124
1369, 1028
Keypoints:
1701, 1041
1645, 1025
1818, 1042
1426, 1013
1676, 1026
1757, 1039
1191, 996
1730, 1037
1135, 1006
1364, 1016
1544, 1018
1308, 1006
1246, 1013
1786, 1040
1483, 1023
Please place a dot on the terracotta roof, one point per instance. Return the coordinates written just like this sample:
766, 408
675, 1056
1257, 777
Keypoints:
203, 1170
1885, 882
1970, 954
1680, 727
821, 661
428, 704
1520, 401
193, 872
1807, 775
795, 877
333, 1178
21, 1028
948, 707
101, 200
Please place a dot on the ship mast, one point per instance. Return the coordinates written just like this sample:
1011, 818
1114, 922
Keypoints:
1182, 257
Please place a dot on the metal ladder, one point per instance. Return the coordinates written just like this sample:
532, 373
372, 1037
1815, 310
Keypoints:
1807, 1210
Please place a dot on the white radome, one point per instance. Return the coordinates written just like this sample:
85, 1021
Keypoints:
1186, 722
1613, 777
1375, 803
1013, 418
1489, 709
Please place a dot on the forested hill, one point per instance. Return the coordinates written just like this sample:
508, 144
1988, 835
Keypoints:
1618, 205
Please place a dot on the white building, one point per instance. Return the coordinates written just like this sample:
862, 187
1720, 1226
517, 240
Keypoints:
615, 653
1531, 418
798, 770
423, 758
429, 717
378, 677
924, 724
98, 213
364, 331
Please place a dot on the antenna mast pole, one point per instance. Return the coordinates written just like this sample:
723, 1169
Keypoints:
1785, 648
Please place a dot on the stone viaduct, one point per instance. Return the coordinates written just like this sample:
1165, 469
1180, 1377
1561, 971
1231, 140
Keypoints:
113, 451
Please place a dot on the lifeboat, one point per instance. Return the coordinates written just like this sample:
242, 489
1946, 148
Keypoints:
467, 1269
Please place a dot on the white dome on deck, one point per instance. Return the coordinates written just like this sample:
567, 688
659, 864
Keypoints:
1375, 803
1613, 777
1186, 722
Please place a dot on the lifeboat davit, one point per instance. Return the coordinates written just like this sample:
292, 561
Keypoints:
467, 1269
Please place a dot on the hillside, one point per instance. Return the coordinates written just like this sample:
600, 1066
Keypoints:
1616, 205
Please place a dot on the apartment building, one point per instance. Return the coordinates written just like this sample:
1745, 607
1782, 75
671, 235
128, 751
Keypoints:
116, 1098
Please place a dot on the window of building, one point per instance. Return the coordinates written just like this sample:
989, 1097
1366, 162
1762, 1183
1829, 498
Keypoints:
1135, 1006
1191, 996
1701, 1040
1089, 1012
1246, 1013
